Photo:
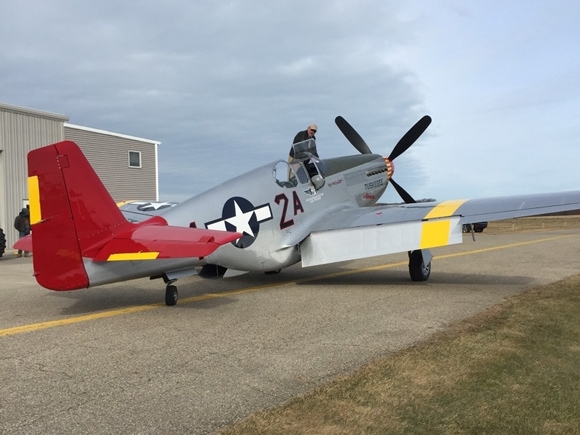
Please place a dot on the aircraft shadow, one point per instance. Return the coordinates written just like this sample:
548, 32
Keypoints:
130, 294
103, 299
401, 278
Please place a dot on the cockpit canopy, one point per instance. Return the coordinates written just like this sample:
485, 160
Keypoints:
305, 150
304, 168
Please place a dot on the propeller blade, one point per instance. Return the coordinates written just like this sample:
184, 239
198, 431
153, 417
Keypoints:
402, 193
352, 136
410, 137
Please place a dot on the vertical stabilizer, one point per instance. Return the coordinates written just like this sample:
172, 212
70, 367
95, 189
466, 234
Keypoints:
72, 215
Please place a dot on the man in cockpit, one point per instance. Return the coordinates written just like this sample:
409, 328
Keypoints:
309, 133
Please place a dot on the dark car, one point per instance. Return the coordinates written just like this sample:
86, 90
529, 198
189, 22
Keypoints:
478, 227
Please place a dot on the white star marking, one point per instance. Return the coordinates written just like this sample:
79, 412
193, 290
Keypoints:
154, 205
241, 220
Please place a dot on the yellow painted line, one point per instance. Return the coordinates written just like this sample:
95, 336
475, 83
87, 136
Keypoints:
34, 200
445, 209
496, 248
133, 256
77, 319
123, 311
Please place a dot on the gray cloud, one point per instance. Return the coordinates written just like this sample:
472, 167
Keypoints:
225, 85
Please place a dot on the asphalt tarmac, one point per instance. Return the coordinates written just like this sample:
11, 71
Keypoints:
115, 360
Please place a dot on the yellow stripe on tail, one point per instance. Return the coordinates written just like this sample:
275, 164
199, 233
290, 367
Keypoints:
34, 200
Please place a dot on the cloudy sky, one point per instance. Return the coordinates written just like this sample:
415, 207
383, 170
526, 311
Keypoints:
225, 85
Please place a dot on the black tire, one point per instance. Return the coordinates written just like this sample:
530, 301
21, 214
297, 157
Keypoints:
2, 242
417, 268
273, 272
171, 295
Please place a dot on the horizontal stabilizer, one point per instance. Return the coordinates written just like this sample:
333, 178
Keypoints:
154, 239
24, 244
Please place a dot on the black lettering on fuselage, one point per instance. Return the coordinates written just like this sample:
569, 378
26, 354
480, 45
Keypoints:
298, 208
297, 204
374, 184
281, 197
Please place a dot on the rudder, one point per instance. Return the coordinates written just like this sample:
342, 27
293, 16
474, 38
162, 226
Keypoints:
72, 215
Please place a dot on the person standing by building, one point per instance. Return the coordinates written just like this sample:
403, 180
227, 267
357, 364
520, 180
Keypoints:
22, 225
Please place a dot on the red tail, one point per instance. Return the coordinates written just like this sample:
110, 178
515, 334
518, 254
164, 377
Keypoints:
71, 213
74, 220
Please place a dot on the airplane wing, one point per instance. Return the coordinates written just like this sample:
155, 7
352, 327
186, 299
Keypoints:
349, 233
138, 211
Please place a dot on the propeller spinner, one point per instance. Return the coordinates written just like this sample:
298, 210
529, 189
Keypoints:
403, 145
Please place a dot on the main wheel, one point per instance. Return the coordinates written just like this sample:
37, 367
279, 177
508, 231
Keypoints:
170, 295
418, 270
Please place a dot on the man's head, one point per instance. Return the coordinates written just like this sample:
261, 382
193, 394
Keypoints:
312, 129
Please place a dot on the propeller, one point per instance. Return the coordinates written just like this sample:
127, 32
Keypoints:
352, 136
402, 192
410, 137
403, 145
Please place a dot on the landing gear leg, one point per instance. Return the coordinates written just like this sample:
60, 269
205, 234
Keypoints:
170, 294
418, 270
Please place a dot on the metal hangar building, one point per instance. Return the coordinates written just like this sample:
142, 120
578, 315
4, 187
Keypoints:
127, 165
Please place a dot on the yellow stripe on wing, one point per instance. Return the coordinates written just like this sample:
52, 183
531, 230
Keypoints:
435, 229
445, 209
435, 234
133, 256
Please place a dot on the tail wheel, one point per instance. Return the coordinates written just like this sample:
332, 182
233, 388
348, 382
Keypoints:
170, 295
418, 270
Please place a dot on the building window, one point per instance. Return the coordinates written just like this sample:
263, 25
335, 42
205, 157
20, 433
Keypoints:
134, 159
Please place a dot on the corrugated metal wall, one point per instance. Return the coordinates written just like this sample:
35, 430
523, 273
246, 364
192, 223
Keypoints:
21, 130
109, 156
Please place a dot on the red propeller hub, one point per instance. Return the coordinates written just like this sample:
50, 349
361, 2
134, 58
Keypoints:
390, 167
